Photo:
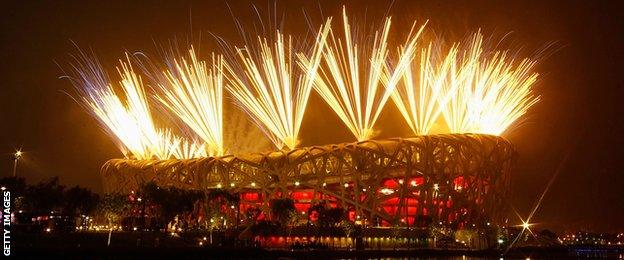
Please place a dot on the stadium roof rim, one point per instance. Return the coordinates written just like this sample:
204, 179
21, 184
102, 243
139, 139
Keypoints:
382, 145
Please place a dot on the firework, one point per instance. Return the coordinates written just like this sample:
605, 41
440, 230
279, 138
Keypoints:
351, 78
179, 147
421, 98
271, 89
488, 93
194, 92
130, 122
468, 88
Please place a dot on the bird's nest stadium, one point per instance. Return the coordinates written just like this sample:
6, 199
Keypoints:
457, 179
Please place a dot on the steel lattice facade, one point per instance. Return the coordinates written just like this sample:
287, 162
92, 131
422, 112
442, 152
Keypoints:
451, 178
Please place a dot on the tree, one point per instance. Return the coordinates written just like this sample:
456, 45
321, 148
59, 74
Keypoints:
44, 197
112, 207
327, 217
171, 201
348, 227
80, 201
216, 204
17, 186
283, 211
48, 196
317, 208
332, 217
252, 214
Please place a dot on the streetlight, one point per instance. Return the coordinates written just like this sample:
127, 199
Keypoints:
17, 155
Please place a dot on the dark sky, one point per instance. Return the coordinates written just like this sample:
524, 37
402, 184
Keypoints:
581, 88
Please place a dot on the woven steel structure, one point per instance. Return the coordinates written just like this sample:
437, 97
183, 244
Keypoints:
452, 178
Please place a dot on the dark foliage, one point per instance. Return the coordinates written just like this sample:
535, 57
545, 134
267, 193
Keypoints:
44, 197
282, 210
171, 201
80, 201
327, 217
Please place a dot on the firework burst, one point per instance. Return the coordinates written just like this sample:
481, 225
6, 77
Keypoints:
487, 93
271, 89
130, 122
350, 80
178, 147
468, 88
423, 94
193, 90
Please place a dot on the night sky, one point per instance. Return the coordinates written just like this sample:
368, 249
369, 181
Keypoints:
581, 88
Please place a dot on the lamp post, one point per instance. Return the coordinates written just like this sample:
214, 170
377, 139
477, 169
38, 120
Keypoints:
17, 155
142, 220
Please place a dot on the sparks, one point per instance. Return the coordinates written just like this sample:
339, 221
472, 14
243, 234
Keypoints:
490, 93
421, 99
469, 89
194, 92
129, 122
358, 103
173, 146
271, 89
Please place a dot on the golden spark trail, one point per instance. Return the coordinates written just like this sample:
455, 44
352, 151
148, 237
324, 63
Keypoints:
194, 92
110, 110
421, 100
470, 89
130, 122
271, 89
179, 147
358, 102
488, 94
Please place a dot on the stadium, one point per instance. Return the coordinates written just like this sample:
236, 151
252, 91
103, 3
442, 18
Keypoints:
456, 179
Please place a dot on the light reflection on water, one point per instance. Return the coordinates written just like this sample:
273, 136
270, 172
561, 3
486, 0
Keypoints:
430, 258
